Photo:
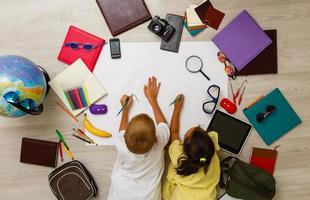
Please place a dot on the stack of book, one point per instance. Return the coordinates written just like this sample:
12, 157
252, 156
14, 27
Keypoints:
192, 21
197, 18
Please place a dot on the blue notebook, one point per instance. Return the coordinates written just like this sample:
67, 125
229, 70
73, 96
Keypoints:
276, 124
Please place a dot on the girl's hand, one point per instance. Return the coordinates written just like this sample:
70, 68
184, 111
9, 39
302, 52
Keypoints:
178, 104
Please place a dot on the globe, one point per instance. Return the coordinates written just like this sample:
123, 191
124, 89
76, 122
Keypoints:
20, 75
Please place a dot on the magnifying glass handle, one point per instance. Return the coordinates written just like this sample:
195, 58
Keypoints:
205, 75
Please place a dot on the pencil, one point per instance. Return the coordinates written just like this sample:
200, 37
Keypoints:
78, 137
232, 91
60, 151
179, 97
68, 152
80, 131
66, 111
241, 95
123, 107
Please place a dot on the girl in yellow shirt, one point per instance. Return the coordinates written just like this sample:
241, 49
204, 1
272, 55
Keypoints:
194, 171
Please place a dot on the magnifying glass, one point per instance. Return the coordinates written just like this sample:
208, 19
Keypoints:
194, 64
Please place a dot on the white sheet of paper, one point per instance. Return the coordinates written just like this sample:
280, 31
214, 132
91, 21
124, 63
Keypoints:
139, 61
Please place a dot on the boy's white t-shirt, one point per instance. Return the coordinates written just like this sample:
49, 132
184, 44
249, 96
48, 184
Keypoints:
138, 176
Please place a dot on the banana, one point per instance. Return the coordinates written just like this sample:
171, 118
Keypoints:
92, 129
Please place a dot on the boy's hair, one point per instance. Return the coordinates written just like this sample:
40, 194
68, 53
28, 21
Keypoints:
140, 134
199, 150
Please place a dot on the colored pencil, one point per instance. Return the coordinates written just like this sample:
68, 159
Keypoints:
254, 102
123, 107
241, 95
179, 97
83, 133
68, 112
68, 152
78, 137
60, 137
232, 91
60, 151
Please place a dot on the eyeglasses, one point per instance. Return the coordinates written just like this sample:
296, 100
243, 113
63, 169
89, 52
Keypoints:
228, 66
85, 46
26, 105
210, 105
263, 115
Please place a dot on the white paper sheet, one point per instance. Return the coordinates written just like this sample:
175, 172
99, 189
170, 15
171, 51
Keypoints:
139, 61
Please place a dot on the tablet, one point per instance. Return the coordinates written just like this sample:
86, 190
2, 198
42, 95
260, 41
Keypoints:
232, 132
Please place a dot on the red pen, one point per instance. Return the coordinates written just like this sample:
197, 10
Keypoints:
232, 91
240, 99
60, 151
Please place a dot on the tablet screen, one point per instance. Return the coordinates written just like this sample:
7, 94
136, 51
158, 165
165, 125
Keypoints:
232, 132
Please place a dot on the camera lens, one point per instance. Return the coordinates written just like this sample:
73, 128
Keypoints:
156, 28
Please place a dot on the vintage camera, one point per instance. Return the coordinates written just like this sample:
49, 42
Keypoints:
162, 28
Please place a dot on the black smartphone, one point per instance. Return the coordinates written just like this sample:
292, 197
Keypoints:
115, 48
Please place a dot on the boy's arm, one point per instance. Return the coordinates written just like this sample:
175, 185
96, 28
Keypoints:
125, 112
151, 92
175, 120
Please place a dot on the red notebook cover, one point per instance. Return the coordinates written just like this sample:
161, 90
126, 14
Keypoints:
264, 159
69, 55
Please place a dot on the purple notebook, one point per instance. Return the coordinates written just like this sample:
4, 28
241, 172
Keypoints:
242, 40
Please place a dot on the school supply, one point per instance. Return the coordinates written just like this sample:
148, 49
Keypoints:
214, 94
68, 152
194, 64
193, 32
193, 21
60, 137
178, 98
275, 124
174, 42
165, 66
232, 132
121, 15
78, 74
241, 40
67, 111
242, 89
209, 15
39, 152
77, 96
266, 62
60, 151
80, 44
229, 106
82, 134
72, 181
98, 109
80, 138
244, 181
264, 159
124, 106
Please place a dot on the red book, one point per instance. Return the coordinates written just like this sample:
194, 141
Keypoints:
69, 55
264, 159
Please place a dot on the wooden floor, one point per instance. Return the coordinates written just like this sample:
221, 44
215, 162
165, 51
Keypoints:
36, 29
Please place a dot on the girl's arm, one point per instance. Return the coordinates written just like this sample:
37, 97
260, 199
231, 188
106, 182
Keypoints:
175, 120
125, 113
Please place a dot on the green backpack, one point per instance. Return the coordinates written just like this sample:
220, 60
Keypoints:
245, 181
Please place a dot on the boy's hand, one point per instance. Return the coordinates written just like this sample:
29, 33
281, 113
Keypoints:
125, 98
178, 104
151, 90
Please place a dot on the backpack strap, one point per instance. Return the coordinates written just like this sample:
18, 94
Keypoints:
225, 169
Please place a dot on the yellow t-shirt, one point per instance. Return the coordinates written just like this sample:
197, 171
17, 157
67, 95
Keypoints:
198, 186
